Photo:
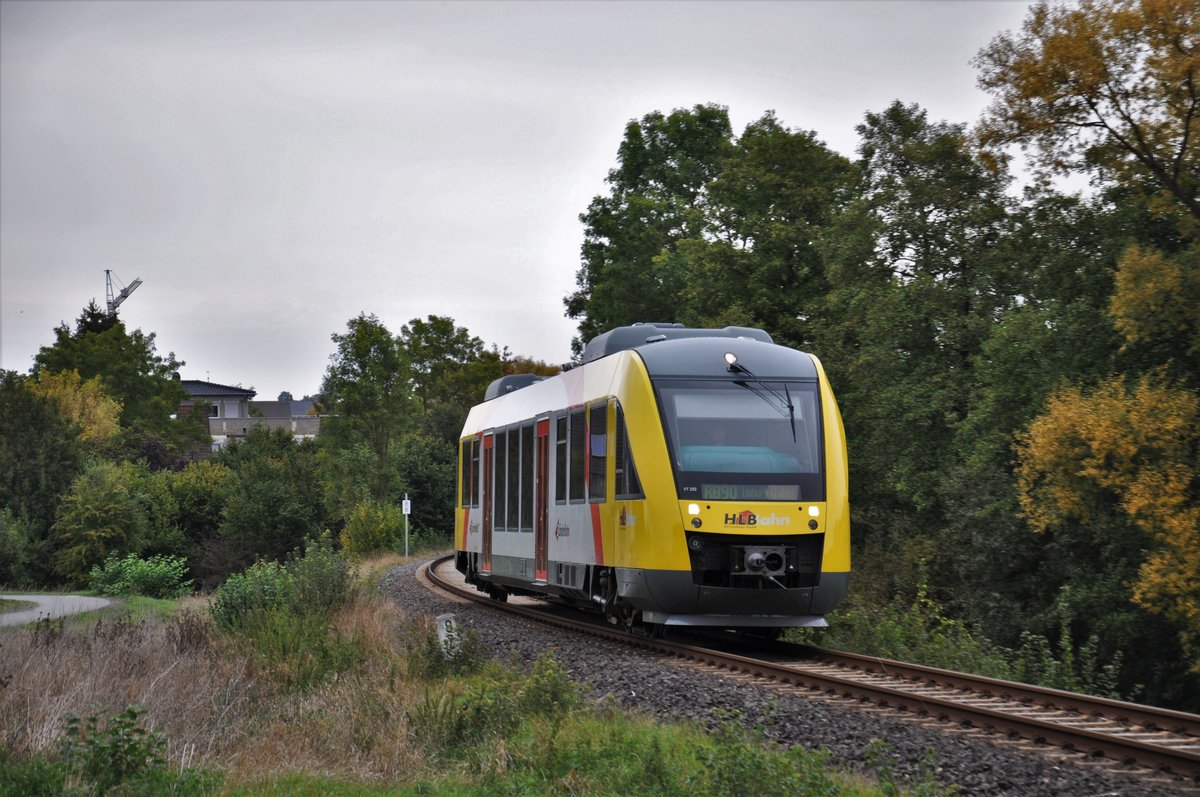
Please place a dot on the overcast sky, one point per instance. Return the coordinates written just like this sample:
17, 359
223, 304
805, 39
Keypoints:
272, 169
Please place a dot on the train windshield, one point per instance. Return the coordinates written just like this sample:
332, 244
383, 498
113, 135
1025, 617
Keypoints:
745, 440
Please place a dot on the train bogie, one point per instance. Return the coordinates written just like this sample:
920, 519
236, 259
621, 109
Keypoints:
675, 477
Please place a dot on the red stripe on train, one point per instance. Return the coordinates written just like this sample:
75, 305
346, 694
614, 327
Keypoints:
597, 537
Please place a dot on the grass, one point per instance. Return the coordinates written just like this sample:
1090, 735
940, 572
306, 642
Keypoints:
254, 715
919, 631
8, 605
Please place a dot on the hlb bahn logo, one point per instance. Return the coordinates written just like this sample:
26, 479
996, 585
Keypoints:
748, 518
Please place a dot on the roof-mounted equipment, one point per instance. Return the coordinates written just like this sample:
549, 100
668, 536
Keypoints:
508, 384
631, 337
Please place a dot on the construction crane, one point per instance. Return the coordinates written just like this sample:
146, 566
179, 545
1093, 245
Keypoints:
115, 301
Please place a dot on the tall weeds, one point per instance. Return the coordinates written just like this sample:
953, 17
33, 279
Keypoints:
394, 711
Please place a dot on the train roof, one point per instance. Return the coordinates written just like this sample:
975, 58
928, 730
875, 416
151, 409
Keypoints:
675, 351
704, 358
638, 335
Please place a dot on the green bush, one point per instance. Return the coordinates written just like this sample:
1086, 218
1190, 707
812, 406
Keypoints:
371, 527
1037, 661
315, 581
283, 612
111, 756
493, 704
320, 577
108, 756
298, 651
549, 690
17, 549
487, 708
156, 577
916, 630
262, 587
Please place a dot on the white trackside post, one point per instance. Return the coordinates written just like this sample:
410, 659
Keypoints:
406, 507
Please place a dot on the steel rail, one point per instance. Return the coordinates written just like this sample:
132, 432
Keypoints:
1164, 719
1182, 759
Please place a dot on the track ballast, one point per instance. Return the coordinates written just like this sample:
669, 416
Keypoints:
1062, 726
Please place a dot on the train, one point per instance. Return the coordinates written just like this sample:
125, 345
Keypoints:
674, 476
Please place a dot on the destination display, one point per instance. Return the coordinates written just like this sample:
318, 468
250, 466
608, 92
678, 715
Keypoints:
750, 492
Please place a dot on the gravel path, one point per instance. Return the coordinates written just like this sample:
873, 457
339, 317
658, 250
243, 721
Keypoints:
666, 688
50, 607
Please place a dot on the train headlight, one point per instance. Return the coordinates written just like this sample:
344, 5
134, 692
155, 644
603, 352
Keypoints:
814, 511
693, 509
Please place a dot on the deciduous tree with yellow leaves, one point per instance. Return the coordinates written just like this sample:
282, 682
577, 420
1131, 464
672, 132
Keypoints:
84, 403
1106, 86
1134, 450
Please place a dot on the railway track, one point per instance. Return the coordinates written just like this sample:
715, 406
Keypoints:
1107, 730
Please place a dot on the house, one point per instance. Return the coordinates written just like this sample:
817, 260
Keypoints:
233, 412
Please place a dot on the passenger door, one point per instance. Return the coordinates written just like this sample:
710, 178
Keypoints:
541, 492
489, 460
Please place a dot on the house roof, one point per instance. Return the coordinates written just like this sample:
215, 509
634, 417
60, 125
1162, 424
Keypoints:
274, 409
200, 389
302, 406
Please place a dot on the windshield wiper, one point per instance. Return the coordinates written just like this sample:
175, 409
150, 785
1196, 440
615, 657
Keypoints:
791, 410
784, 400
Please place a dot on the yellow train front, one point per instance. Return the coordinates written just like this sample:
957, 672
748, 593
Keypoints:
688, 477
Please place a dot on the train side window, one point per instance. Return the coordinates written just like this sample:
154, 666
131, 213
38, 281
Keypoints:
627, 485
498, 474
476, 477
578, 467
597, 452
464, 473
527, 477
514, 479
560, 459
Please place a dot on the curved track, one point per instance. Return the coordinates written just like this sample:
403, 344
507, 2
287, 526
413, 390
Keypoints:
1121, 732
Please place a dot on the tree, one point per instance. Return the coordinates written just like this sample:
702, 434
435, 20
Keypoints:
1001, 576
85, 404
273, 502
94, 320
759, 262
1105, 86
106, 511
1156, 302
367, 388
441, 357
18, 550
1128, 452
200, 491
918, 274
133, 374
657, 191
40, 454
